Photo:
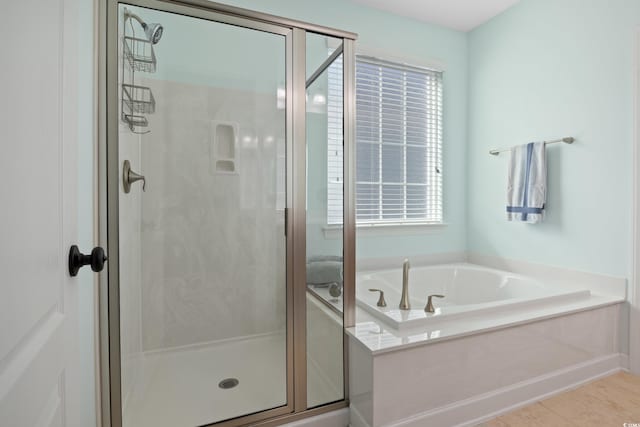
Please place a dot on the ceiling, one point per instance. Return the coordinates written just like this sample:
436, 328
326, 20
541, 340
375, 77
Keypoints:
461, 15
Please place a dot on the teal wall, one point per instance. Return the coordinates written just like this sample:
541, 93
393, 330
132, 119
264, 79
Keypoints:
193, 51
547, 69
403, 37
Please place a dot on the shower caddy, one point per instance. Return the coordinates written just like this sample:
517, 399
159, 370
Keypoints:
138, 100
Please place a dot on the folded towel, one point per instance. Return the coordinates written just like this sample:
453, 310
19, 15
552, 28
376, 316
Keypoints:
324, 272
527, 183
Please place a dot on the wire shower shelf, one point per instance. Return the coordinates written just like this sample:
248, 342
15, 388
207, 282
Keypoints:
139, 99
135, 121
140, 55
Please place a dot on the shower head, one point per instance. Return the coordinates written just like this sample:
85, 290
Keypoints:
153, 32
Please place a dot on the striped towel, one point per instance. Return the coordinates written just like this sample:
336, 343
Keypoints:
527, 183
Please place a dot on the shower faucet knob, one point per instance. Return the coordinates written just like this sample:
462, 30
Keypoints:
129, 177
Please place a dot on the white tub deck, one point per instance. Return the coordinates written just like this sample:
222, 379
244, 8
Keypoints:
478, 300
468, 290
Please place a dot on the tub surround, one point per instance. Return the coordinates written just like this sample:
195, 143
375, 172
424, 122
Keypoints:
487, 362
600, 284
474, 378
466, 369
390, 330
584, 291
378, 337
377, 263
380, 334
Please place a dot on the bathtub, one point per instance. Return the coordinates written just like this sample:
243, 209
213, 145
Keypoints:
468, 289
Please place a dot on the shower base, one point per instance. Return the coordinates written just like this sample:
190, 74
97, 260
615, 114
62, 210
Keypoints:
180, 387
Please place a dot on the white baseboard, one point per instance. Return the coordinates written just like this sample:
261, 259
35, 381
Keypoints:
625, 363
478, 409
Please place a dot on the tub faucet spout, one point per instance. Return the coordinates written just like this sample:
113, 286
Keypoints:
404, 301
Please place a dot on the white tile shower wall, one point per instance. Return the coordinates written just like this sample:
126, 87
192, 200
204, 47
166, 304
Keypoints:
213, 265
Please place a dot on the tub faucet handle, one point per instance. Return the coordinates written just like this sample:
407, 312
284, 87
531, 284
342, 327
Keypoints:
381, 301
335, 290
429, 307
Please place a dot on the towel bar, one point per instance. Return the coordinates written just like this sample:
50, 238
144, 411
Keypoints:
566, 140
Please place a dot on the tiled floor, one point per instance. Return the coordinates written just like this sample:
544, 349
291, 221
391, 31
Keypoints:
611, 401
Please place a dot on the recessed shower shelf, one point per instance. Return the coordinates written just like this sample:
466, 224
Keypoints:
139, 99
139, 54
223, 151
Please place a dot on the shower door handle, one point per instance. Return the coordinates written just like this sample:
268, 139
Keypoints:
77, 260
286, 220
129, 177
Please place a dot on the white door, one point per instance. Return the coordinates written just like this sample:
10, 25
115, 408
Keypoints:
39, 373
634, 312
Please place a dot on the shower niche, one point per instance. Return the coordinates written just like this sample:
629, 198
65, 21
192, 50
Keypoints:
208, 273
223, 150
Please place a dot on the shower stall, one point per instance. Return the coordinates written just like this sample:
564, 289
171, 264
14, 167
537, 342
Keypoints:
227, 146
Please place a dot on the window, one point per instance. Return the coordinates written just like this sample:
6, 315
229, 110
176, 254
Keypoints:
398, 144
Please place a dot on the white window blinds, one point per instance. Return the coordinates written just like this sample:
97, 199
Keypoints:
398, 145
334, 143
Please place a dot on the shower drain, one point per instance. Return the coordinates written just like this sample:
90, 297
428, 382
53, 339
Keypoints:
228, 383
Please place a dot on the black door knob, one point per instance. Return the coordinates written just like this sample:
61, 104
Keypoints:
77, 260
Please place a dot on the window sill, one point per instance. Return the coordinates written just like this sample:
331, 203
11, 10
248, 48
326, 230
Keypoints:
398, 229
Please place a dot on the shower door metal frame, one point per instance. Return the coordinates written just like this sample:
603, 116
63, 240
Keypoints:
295, 128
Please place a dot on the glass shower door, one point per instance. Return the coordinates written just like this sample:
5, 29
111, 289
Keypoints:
325, 215
202, 243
